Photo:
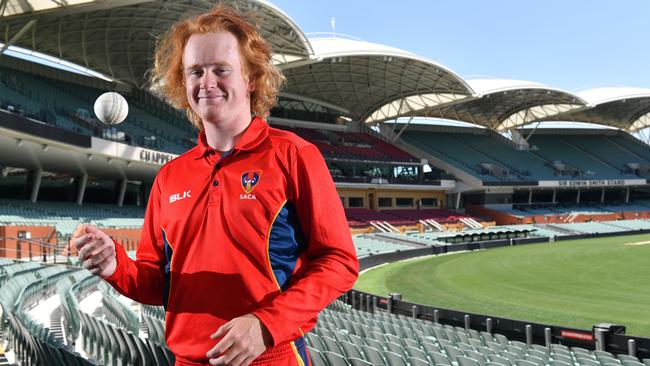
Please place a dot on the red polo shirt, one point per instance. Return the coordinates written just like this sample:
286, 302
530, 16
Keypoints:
259, 230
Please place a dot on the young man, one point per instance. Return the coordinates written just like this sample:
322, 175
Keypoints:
245, 240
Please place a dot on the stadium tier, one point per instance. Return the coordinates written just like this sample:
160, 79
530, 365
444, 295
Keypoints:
522, 210
153, 124
362, 217
480, 153
345, 336
553, 154
594, 154
70, 106
66, 216
57, 315
368, 244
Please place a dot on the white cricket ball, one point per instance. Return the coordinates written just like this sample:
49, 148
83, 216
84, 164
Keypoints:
111, 108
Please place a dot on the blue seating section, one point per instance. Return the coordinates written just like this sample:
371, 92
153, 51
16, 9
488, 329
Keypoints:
468, 149
67, 216
57, 102
523, 210
594, 156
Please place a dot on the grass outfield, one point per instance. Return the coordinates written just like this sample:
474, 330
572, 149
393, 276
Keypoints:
572, 283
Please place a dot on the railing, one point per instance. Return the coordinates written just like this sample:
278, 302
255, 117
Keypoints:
35, 248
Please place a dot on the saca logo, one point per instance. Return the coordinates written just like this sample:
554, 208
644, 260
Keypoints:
249, 196
177, 197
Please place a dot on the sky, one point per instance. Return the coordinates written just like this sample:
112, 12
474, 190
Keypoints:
567, 44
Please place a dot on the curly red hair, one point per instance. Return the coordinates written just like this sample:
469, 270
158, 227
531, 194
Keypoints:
167, 73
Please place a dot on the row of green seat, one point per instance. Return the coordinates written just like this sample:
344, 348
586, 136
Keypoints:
350, 337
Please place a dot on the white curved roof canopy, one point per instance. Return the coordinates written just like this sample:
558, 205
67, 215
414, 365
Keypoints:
624, 108
17, 7
117, 38
502, 104
373, 82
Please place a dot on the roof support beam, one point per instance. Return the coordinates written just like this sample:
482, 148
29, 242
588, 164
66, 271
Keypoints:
316, 101
18, 35
3, 6
640, 123
403, 129
294, 64
79, 8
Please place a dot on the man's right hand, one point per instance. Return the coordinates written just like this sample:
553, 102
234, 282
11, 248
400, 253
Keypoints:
96, 251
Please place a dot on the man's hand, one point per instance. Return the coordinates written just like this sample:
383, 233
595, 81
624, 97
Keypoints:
96, 251
244, 339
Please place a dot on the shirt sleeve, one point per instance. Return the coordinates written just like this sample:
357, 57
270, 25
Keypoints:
331, 266
143, 279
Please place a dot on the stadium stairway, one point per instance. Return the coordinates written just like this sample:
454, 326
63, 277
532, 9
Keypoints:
56, 328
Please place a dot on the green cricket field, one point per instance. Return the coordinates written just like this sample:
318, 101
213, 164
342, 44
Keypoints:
570, 283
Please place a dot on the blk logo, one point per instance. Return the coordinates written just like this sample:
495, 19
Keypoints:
178, 196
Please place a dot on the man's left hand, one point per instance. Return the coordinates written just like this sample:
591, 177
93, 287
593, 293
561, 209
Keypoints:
244, 339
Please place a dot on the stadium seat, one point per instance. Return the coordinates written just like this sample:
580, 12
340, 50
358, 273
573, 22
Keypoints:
608, 360
583, 352
340, 336
622, 357
317, 358
499, 359
350, 350
335, 359
358, 362
314, 341
486, 351
452, 352
395, 348
476, 342
356, 340
630, 363
411, 343
519, 351
537, 353
373, 355
584, 361
501, 339
414, 361
413, 352
158, 354
440, 359
429, 347
510, 356
146, 356
563, 357
525, 363
374, 343
476, 356
393, 338
332, 345
394, 359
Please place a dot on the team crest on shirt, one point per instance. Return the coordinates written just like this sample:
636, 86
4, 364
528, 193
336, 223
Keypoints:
248, 182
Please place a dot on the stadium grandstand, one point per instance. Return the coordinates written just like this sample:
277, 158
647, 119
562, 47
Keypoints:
495, 177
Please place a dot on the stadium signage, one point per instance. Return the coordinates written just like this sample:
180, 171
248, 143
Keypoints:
580, 336
155, 157
591, 183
